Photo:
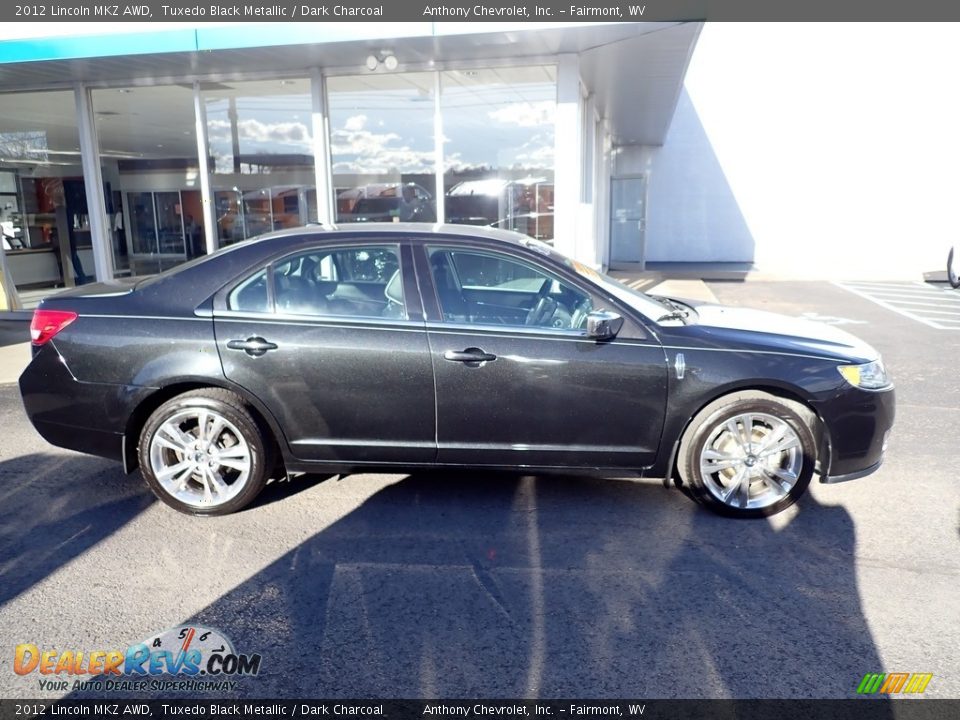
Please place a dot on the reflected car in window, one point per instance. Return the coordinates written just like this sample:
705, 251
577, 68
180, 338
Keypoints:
386, 202
398, 346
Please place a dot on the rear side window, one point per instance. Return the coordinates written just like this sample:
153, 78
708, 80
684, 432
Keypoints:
251, 295
360, 281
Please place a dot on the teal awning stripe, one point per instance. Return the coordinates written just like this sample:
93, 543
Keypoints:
203, 38
87, 46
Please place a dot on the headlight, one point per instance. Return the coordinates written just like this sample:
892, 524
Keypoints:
869, 376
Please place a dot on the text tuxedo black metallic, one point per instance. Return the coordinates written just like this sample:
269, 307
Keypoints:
398, 346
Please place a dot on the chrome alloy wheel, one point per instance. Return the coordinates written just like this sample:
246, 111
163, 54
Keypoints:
751, 461
200, 458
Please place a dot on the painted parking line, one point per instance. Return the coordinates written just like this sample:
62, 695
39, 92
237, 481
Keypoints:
935, 307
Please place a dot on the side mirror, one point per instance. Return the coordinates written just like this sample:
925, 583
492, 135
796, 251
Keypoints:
603, 324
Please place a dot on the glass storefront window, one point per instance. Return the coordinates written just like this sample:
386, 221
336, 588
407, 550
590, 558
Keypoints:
148, 155
43, 204
498, 156
381, 147
262, 165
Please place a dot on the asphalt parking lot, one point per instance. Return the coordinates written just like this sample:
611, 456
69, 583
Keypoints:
447, 585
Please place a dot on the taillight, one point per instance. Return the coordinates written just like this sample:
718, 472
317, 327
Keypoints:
47, 323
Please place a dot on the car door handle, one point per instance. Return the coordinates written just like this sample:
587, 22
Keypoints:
254, 347
470, 355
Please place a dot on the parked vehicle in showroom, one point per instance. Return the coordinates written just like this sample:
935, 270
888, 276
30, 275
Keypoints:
398, 346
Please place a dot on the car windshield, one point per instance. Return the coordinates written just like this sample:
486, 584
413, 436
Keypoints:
641, 302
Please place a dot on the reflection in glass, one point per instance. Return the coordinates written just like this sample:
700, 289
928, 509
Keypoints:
262, 169
143, 229
499, 154
148, 150
42, 194
381, 147
230, 225
170, 231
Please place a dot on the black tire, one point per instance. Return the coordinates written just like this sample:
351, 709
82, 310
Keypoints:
772, 478
952, 277
204, 485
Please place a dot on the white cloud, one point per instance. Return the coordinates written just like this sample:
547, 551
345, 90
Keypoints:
356, 122
284, 133
541, 157
362, 151
530, 114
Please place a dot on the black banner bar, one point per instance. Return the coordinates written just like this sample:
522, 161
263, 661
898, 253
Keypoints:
859, 709
146, 11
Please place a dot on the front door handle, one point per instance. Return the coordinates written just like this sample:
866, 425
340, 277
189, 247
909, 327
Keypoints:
254, 346
470, 355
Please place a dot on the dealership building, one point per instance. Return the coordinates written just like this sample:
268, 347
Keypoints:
806, 151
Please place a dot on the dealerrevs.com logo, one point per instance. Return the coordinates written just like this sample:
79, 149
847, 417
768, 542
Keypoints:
188, 657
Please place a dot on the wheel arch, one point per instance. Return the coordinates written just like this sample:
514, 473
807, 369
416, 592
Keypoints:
818, 429
138, 418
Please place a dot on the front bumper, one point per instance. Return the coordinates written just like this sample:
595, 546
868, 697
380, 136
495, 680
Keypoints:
857, 426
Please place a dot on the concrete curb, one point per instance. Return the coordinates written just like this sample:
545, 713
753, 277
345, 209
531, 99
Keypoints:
14, 346
13, 359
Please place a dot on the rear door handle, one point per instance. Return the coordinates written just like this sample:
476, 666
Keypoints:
470, 355
254, 346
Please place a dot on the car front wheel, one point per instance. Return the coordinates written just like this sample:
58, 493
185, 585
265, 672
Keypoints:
202, 453
749, 454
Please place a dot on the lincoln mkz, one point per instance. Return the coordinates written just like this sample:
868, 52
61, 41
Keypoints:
400, 346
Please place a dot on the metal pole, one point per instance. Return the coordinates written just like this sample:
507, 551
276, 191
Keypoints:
438, 196
93, 184
203, 167
323, 172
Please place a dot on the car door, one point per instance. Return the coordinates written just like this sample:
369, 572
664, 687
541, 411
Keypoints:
332, 341
518, 382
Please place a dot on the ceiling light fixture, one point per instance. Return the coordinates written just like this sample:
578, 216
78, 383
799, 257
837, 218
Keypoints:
385, 58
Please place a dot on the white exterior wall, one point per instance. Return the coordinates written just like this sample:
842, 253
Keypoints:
815, 150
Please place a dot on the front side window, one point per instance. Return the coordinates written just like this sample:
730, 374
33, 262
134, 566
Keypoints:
483, 288
342, 282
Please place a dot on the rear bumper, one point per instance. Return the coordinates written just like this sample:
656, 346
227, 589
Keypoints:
87, 417
858, 423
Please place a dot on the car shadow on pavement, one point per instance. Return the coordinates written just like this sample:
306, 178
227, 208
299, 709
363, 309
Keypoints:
279, 490
63, 505
453, 585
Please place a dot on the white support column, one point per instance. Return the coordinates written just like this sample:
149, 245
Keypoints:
601, 189
203, 159
323, 170
93, 184
438, 195
567, 156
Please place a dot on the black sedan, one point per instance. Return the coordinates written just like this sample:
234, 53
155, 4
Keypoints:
401, 346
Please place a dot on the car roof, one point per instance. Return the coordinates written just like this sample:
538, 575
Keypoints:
405, 229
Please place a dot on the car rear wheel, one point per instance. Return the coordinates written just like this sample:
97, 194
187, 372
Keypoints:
202, 453
749, 454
